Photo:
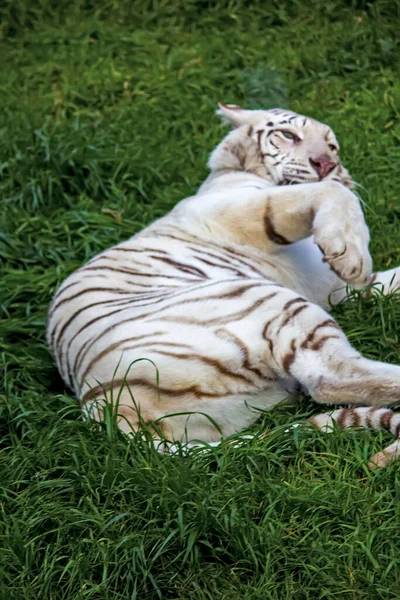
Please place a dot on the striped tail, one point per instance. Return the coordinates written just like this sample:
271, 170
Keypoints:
367, 417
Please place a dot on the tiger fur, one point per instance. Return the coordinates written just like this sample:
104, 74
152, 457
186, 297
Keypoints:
227, 295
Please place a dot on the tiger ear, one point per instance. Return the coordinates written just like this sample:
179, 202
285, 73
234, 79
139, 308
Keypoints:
233, 114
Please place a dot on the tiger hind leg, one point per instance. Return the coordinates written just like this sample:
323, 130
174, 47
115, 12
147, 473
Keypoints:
310, 347
366, 417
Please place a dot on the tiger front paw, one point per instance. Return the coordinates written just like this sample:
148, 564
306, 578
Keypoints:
350, 264
346, 252
341, 233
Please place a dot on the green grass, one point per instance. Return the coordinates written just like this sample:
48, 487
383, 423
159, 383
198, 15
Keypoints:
106, 122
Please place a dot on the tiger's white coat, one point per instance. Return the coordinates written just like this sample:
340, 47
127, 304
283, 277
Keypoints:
226, 294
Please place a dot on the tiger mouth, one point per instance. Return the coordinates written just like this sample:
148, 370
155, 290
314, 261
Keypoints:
290, 181
294, 181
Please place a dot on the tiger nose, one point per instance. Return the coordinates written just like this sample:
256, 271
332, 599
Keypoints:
323, 165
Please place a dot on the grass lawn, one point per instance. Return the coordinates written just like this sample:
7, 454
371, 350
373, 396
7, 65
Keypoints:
106, 122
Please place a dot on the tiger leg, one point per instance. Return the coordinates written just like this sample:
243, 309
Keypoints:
281, 216
369, 418
311, 348
389, 279
307, 345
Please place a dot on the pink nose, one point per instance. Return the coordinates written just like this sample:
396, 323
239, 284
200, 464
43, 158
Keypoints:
323, 165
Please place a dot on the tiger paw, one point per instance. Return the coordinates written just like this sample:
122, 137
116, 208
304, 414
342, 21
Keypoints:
349, 261
342, 236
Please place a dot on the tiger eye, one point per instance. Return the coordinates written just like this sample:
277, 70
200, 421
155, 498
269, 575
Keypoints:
289, 135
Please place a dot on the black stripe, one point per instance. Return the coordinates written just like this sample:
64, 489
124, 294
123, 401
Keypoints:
87, 291
270, 230
182, 266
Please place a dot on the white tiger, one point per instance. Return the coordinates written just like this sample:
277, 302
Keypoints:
226, 295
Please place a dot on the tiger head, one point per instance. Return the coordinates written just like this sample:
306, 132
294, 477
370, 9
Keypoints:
278, 145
